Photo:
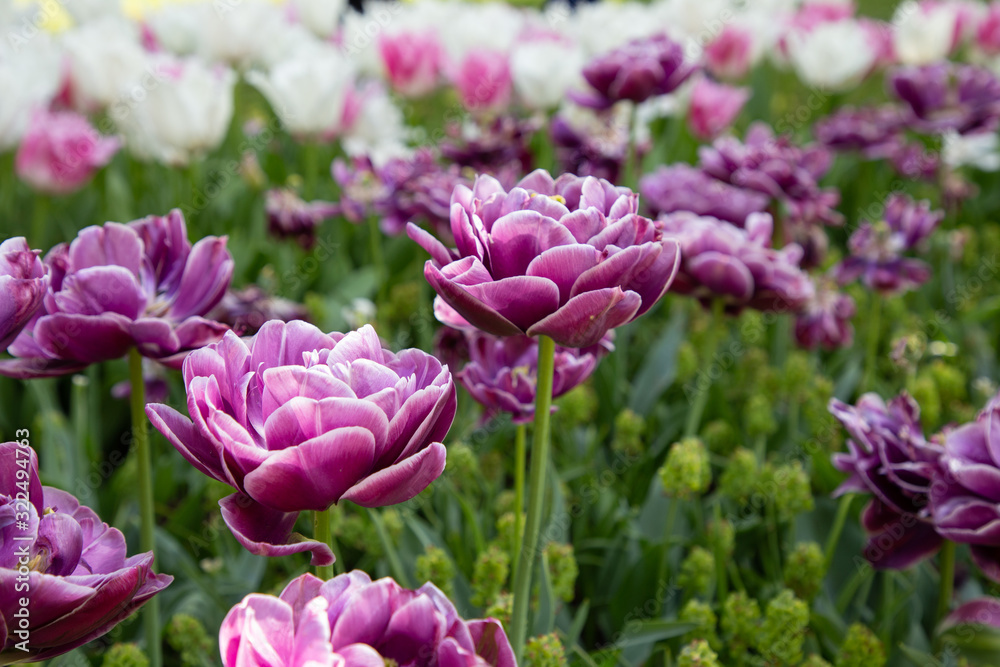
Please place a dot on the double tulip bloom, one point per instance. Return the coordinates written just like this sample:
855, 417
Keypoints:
61, 151
569, 258
119, 286
352, 621
23, 282
295, 419
70, 565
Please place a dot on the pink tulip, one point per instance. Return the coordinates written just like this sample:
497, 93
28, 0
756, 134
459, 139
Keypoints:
483, 80
61, 151
729, 55
412, 61
714, 107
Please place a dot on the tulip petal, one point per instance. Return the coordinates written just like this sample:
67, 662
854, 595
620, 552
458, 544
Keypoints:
564, 265
193, 446
206, 277
84, 337
401, 481
585, 318
519, 237
268, 532
987, 557
39, 367
492, 643
438, 252
470, 307
258, 632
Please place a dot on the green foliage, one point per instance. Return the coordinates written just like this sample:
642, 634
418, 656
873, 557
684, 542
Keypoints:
687, 472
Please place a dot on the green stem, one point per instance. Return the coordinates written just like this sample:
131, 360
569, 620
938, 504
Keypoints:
536, 496
947, 584
81, 412
631, 156
712, 338
838, 526
147, 540
310, 166
668, 532
871, 354
520, 460
395, 564
322, 533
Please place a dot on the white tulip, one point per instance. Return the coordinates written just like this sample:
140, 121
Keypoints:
180, 112
234, 31
29, 78
979, 150
544, 71
103, 56
88, 10
379, 131
923, 34
832, 56
320, 16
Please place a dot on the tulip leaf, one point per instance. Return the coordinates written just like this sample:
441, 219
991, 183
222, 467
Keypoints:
642, 633
659, 369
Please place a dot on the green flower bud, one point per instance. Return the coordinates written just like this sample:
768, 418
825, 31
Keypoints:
435, 566
563, 570
792, 494
719, 436
783, 631
700, 614
740, 476
861, 648
505, 532
354, 530
504, 502
578, 406
463, 468
544, 651
501, 608
797, 374
805, 570
950, 382
697, 571
925, 391
489, 575
759, 416
740, 617
125, 655
629, 429
687, 361
392, 521
698, 654
187, 636
721, 537
687, 472
815, 661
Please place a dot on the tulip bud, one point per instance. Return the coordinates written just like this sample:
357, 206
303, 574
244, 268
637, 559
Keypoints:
740, 619
563, 570
783, 631
697, 571
435, 566
740, 476
501, 609
700, 614
698, 654
187, 636
721, 537
719, 436
544, 651
687, 361
805, 570
489, 575
815, 661
687, 472
125, 655
629, 429
577, 406
759, 416
861, 648
793, 495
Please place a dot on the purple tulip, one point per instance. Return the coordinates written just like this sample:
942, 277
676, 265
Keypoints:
352, 621
640, 69
568, 258
23, 282
825, 320
714, 107
890, 458
981, 611
965, 496
945, 96
288, 216
114, 287
296, 419
502, 373
246, 310
872, 131
500, 147
681, 187
61, 151
599, 148
877, 249
722, 261
68, 564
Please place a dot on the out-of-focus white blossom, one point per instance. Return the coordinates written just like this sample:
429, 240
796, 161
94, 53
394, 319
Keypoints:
923, 33
980, 150
319, 16
29, 79
103, 56
832, 56
376, 129
544, 70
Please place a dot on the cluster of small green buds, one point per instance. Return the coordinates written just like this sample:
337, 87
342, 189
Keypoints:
629, 431
463, 468
951, 382
783, 631
504, 502
501, 608
187, 636
797, 375
815, 661
721, 537
861, 648
563, 569
355, 531
759, 416
792, 492
702, 616
697, 571
489, 576
805, 570
741, 475
925, 391
698, 654
544, 651
577, 406
435, 566
505, 531
740, 617
687, 472
719, 436
392, 520
125, 655
687, 361
815, 409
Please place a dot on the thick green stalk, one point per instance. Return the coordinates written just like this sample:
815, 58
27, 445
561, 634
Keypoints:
712, 338
321, 533
946, 587
520, 460
147, 538
536, 496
